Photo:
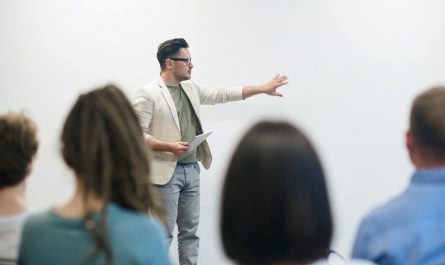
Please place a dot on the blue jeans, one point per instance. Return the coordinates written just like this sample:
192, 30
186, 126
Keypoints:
180, 197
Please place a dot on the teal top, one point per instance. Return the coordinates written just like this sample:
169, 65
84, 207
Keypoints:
188, 122
134, 238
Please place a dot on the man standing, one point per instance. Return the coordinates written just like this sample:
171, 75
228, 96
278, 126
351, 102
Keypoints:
168, 111
410, 229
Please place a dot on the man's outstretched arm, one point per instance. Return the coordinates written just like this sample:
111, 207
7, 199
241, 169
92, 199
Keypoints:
269, 88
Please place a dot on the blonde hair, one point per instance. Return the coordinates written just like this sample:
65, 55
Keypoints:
103, 143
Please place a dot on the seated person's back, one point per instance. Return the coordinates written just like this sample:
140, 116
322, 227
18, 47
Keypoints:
410, 229
133, 238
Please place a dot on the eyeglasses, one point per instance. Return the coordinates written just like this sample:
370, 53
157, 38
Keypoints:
187, 61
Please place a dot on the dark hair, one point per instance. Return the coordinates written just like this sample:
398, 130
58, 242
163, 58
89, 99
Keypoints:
275, 203
427, 121
103, 143
18, 146
168, 49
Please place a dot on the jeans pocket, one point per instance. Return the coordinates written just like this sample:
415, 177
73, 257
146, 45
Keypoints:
198, 168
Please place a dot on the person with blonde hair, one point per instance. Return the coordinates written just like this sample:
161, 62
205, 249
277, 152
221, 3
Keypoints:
106, 221
18, 147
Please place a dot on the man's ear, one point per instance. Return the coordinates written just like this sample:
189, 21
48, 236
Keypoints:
29, 167
168, 63
411, 147
409, 140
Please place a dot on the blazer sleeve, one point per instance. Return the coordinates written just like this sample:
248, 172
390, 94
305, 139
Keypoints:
143, 106
211, 96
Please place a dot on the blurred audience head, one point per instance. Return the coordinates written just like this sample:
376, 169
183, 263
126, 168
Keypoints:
275, 205
426, 135
103, 144
18, 146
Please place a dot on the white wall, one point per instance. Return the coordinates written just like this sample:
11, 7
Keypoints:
353, 66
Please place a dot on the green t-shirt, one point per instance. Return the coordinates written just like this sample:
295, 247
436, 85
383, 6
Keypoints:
188, 122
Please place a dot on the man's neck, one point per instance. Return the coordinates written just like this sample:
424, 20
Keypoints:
427, 161
169, 79
12, 200
429, 165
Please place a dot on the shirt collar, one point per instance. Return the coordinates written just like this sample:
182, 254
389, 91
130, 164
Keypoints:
429, 175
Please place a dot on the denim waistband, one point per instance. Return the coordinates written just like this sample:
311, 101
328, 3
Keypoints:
187, 164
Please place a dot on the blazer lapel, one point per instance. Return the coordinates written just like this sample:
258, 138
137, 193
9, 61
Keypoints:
190, 95
195, 104
168, 98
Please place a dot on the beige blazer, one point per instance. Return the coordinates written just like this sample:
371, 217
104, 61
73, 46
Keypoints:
157, 115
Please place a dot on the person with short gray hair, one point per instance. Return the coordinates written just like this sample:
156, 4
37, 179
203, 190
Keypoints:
410, 229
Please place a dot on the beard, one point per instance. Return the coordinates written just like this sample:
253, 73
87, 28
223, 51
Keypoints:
183, 77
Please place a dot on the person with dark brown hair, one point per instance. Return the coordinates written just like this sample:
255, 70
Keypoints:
18, 147
275, 204
169, 113
106, 221
410, 229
